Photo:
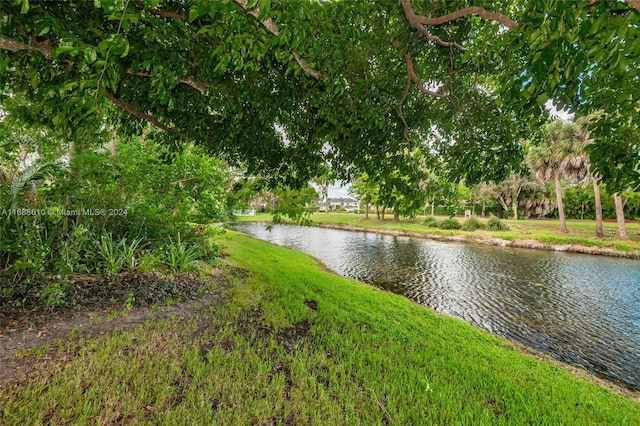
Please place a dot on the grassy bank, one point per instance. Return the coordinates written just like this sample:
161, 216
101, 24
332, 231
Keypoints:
582, 232
288, 343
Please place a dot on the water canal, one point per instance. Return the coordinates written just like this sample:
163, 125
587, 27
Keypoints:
580, 309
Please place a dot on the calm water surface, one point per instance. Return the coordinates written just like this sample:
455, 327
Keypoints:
580, 309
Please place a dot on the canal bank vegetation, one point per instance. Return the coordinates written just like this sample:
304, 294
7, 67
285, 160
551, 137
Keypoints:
538, 234
284, 342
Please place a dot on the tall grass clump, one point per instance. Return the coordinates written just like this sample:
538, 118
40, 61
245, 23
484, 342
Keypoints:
450, 223
472, 224
431, 222
495, 224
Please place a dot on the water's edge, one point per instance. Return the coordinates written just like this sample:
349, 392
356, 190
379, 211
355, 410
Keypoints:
494, 241
572, 368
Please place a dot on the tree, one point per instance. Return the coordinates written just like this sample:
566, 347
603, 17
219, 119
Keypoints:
365, 192
561, 155
284, 87
622, 227
279, 87
519, 192
323, 180
582, 125
583, 55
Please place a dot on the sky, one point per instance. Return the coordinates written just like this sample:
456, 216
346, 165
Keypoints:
339, 190
562, 114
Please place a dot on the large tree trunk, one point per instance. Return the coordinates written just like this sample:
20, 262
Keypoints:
596, 194
503, 203
384, 210
563, 222
366, 211
514, 207
483, 206
396, 214
378, 211
622, 227
433, 206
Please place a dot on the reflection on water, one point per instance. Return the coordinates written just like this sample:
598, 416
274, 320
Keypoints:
580, 309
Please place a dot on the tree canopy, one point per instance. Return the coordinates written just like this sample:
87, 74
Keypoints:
281, 87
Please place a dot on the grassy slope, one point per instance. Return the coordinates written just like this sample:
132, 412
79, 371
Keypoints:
582, 232
294, 344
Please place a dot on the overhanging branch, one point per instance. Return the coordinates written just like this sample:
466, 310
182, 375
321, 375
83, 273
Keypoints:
161, 13
420, 22
12, 45
200, 86
473, 10
272, 27
416, 80
140, 115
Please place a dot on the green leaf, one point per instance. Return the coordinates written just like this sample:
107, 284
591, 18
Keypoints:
35, 80
193, 14
542, 99
265, 9
25, 7
63, 49
90, 56
251, 4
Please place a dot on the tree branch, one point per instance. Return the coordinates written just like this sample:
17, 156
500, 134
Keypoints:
273, 29
635, 4
140, 115
12, 45
414, 20
405, 93
420, 22
416, 80
473, 10
161, 13
200, 86
47, 49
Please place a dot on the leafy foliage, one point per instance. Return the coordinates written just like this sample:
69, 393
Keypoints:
431, 222
472, 223
495, 224
128, 205
180, 255
450, 223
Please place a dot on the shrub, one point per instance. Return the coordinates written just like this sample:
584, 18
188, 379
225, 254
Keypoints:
431, 222
472, 224
450, 223
117, 256
495, 224
182, 256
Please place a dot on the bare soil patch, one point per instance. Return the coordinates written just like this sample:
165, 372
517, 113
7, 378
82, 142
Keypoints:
101, 310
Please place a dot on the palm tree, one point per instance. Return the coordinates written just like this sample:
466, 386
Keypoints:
584, 135
17, 186
561, 156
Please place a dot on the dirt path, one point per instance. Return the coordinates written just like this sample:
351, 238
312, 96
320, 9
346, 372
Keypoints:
16, 360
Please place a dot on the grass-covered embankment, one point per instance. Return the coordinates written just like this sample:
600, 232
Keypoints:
540, 234
292, 344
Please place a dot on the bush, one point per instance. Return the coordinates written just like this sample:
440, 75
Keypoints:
495, 224
450, 223
431, 222
182, 256
117, 256
472, 224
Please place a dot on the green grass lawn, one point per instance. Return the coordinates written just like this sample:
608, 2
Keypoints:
289, 343
581, 232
